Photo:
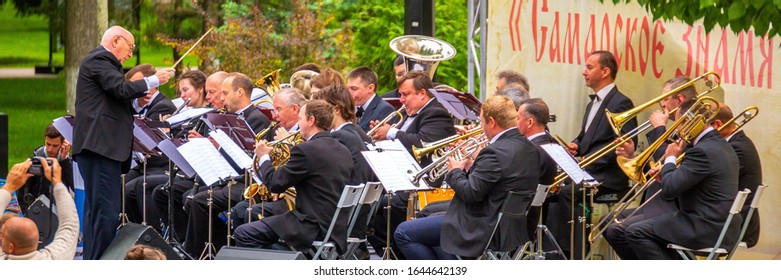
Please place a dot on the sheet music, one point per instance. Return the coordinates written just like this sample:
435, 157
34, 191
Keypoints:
183, 116
234, 151
169, 149
394, 174
64, 127
207, 161
395, 145
567, 163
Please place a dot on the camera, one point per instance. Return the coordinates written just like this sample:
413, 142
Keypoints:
36, 168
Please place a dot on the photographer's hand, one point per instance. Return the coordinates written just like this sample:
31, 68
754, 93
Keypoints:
17, 176
54, 177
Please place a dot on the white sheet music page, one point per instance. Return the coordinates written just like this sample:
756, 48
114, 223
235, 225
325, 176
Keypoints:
186, 115
395, 145
388, 171
169, 149
231, 148
65, 128
567, 163
207, 161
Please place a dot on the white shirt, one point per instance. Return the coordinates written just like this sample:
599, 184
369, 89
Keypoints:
597, 102
535, 136
138, 107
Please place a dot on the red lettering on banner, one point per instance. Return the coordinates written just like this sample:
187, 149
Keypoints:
605, 30
619, 27
720, 62
629, 51
689, 52
572, 38
643, 55
539, 48
512, 28
658, 47
591, 36
555, 40
767, 60
704, 47
743, 56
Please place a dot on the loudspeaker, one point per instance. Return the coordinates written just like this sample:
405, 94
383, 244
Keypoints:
419, 17
239, 253
132, 234
45, 219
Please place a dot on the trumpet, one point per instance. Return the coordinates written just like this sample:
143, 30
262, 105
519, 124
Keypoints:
687, 127
388, 119
437, 147
438, 168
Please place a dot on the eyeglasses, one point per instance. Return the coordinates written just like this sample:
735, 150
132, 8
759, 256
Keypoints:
132, 46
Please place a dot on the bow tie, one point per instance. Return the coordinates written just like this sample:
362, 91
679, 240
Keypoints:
359, 112
593, 96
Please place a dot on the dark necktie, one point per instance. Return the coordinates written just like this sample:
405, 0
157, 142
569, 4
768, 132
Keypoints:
143, 111
359, 112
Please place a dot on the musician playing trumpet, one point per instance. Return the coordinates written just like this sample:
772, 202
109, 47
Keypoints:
425, 120
481, 184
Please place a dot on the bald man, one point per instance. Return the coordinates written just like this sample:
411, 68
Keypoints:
214, 89
20, 235
103, 132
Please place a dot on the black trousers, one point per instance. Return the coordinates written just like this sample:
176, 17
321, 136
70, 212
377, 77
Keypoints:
198, 221
182, 187
134, 202
103, 188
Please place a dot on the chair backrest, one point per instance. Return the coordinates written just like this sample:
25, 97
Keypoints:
539, 197
754, 206
348, 199
515, 204
370, 195
737, 204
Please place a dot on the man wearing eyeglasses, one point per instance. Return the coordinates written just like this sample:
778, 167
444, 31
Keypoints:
103, 132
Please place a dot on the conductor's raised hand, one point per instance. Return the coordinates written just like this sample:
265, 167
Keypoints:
163, 75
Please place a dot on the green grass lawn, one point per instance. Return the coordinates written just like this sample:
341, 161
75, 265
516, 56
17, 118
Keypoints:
31, 105
24, 43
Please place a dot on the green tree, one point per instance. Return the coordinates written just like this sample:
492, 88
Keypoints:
741, 15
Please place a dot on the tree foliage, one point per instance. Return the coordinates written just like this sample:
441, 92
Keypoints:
740, 15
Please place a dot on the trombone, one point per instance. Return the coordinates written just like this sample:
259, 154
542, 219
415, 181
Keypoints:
701, 113
388, 119
617, 121
433, 147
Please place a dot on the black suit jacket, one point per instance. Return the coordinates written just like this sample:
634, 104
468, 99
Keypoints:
319, 169
160, 106
705, 185
479, 194
256, 120
104, 115
355, 141
432, 123
548, 167
750, 176
600, 133
377, 109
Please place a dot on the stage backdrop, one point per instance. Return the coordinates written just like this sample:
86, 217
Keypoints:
549, 41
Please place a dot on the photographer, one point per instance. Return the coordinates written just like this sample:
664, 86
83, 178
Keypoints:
20, 235
55, 146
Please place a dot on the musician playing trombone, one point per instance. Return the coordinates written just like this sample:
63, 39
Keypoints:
481, 182
615, 233
705, 185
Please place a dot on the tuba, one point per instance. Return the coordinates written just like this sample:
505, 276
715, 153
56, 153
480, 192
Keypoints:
422, 53
269, 83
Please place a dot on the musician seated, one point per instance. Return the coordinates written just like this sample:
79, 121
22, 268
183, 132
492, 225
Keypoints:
236, 88
481, 184
705, 185
425, 120
362, 83
319, 169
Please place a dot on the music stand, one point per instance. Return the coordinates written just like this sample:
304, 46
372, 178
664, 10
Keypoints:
463, 106
235, 127
145, 141
395, 102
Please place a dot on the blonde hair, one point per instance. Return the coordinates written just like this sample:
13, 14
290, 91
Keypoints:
501, 109
144, 252
302, 80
